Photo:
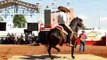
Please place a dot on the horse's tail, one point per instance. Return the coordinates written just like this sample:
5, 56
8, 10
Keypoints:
42, 37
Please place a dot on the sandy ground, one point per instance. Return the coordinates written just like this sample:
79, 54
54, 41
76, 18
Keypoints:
59, 57
7, 51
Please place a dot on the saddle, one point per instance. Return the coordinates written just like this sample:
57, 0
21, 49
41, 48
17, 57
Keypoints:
62, 29
64, 32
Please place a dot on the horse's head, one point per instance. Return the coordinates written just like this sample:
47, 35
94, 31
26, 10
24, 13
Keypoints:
80, 22
76, 24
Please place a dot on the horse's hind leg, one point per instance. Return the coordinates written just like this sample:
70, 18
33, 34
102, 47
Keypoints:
58, 50
72, 52
49, 51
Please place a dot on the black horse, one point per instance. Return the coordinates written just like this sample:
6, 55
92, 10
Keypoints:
55, 36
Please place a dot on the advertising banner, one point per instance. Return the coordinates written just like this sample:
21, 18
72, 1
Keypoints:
94, 35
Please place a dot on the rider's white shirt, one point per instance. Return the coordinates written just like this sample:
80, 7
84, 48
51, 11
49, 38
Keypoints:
62, 18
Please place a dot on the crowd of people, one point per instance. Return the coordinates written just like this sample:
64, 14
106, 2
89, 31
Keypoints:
22, 39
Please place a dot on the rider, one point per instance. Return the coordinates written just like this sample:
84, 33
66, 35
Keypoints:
62, 22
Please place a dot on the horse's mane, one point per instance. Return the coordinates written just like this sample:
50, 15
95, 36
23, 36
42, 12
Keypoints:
73, 24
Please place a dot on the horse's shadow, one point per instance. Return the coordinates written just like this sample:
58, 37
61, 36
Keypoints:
39, 57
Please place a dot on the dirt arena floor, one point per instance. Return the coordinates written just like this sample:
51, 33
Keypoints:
7, 51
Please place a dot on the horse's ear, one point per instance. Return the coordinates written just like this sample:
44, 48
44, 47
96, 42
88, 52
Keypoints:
77, 17
80, 19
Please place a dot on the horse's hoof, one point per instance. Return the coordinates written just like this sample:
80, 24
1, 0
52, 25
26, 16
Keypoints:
52, 58
36, 44
73, 57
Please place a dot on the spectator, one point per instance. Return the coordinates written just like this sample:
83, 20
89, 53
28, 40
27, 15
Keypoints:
83, 38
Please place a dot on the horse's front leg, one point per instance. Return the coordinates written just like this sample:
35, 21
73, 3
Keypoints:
49, 51
72, 52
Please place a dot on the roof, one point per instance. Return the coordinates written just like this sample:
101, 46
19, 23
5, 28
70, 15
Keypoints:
7, 3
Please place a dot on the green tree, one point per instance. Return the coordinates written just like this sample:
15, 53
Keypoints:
19, 21
1, 19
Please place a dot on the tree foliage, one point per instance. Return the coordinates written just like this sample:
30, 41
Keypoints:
19, 21
1, 18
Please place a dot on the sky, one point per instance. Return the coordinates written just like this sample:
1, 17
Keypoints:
93, 12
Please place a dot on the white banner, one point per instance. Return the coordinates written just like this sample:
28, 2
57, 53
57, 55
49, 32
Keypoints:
94, 35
